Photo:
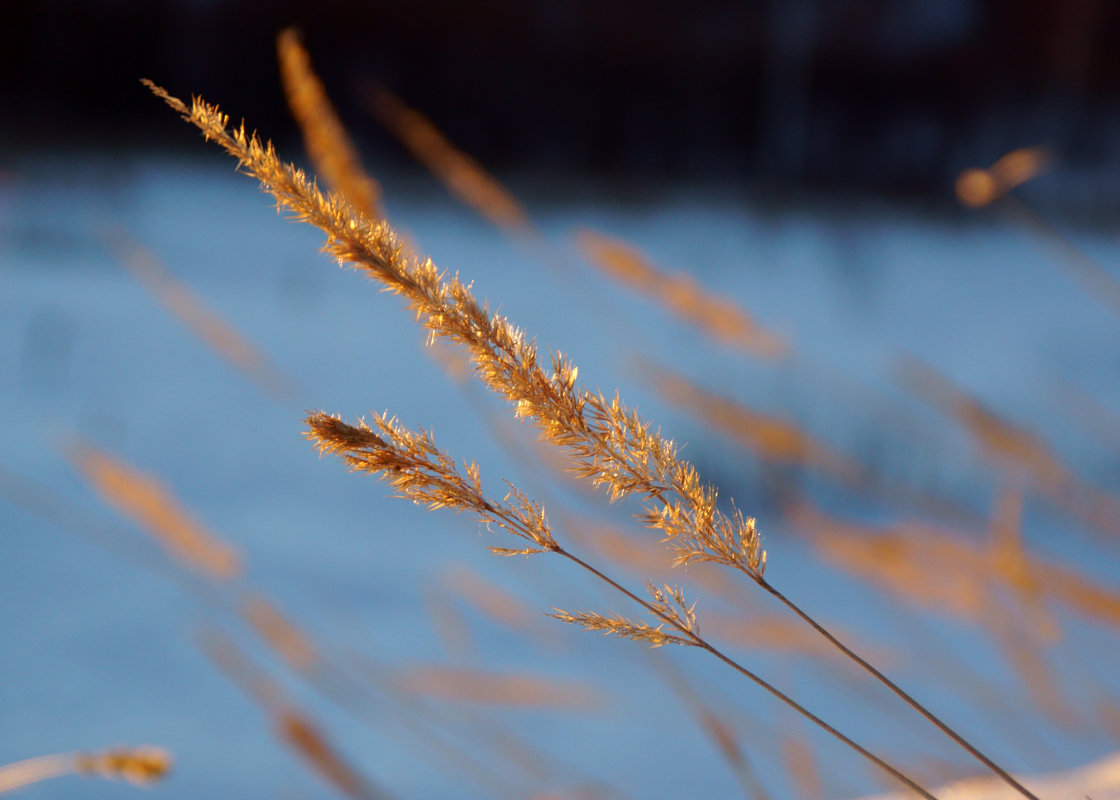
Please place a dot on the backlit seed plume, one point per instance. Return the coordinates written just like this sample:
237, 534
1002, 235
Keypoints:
459, 173
139, 765
713, 314
203, 321
773, 439
155, 509
979, 187
610, 445
667, 602
419, 471
280, 633
618, 625
324, 136
505, 688
410, 462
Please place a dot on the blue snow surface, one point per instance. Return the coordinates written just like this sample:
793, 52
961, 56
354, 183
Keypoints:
108, 641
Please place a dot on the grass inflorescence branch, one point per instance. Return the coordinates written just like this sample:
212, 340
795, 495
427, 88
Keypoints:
419, 471
607, 443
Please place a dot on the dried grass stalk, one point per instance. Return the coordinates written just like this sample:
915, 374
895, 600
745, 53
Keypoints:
411, 463
801, 766
142, 766
139, 765
1018, 453
155, 509
668, 605
773, 439
280, 633
299, 733
934, 567
463, 177
499, 689
297, 730
978, 187
610, 444
184, 304
324, 136
714, 315
493, 601
1013, 448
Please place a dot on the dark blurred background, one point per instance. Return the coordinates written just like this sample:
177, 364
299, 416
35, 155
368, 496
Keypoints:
859, 95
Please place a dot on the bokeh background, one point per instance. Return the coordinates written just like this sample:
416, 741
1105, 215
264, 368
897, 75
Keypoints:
910, 208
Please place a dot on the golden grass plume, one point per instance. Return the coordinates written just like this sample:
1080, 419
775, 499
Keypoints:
293, 646
293, 727
324, 136
497, 689
156, 510
142, 766
189, 309
714, 315
977, 187
611, 445
455, 169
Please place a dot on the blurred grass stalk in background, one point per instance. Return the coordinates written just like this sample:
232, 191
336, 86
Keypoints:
949, 559
609, 444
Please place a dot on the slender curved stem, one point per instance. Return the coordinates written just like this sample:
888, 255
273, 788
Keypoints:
895, 688
901, 693
703, 644
32, 770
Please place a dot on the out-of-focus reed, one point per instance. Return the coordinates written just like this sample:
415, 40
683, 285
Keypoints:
607, 443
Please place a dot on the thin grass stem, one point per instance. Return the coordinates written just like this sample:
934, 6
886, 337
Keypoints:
901, 693
775, 692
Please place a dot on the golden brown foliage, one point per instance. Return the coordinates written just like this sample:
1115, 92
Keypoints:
609, 444
978, 187
328, 146
305, 738
185, 305
139, 765
280, 633
772, 439
716, 316
155, 509
458, 171
667, 602
498, 689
